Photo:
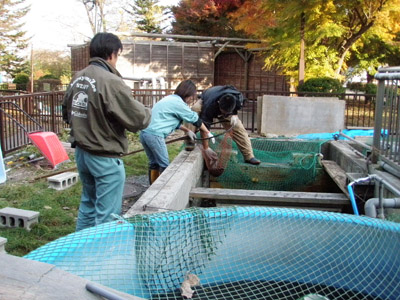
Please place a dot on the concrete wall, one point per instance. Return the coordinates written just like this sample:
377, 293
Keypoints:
283, 115
171, 190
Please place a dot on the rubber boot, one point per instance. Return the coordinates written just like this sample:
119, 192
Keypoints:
153, 175
189, 145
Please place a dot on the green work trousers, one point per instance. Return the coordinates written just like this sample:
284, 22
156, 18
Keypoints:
103, 180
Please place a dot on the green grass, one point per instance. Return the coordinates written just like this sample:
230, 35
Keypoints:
58, 209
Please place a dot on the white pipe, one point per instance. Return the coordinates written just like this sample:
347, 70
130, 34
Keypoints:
382, 203
372, 205
388, 185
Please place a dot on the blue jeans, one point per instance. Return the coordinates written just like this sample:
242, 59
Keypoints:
156, 151
103, 180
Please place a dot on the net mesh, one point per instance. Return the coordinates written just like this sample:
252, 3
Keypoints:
236, 253
286, 164
217, 159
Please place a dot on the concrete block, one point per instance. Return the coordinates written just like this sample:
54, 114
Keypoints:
3, 242
282, 115
63, 181
14, 217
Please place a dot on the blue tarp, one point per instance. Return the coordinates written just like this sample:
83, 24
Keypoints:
332, 135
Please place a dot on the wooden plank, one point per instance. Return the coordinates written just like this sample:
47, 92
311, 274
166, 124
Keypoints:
337, 174
322, 208
269, 196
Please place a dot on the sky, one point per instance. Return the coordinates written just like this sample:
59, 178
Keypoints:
55, 24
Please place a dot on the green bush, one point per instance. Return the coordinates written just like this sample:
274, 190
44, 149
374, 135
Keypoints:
21, 80
371, 88
367, 88
322, 85
48, 76
355, 86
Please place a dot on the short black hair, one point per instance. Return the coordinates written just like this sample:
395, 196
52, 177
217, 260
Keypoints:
104, 44
185, 89
227, 102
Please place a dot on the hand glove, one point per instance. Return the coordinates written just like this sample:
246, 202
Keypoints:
234, 120
212, 139
191, 135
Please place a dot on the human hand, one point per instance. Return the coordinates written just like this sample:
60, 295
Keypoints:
234, 120
191, 135
210, 135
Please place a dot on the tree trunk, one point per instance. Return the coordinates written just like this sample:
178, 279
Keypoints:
302, 47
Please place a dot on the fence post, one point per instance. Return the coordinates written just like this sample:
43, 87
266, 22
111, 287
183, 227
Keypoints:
378, 121
53, 113
2, 134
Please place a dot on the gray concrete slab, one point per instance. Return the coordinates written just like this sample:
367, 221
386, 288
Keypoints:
290, 116
26, 279
171, 190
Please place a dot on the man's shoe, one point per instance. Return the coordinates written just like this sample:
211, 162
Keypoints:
253, 161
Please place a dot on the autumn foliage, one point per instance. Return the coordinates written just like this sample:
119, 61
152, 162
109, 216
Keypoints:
205, 17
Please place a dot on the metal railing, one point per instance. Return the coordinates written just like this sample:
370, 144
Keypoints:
43, 108
46, 109
386, 142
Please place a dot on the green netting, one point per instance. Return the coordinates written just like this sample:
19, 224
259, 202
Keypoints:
237, 253
286, 165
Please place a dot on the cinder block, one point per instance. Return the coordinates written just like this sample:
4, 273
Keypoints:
14, 217
3, 242
63, 181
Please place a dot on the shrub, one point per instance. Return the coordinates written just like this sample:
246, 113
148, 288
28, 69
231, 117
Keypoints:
370, 88
322, 85
355, 86
21, 80
48, 76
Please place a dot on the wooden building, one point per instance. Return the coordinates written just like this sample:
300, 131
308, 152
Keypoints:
149, 62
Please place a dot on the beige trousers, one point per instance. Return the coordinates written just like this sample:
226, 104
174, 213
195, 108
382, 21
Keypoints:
239, 133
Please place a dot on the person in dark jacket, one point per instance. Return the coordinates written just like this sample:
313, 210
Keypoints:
223, 102
99, 108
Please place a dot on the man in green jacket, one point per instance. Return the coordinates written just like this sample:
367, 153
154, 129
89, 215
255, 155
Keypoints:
99, 108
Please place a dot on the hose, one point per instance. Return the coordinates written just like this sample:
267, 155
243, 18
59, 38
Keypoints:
351, 192
352, 199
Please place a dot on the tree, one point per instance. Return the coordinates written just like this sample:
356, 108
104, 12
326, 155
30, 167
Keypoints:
147, 15
372, 52
12, 37
332, 29
54, 63
205, 18
105, 15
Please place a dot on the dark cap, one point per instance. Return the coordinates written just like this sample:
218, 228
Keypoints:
227, 103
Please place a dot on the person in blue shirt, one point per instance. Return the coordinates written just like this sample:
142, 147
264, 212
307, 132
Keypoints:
167, 116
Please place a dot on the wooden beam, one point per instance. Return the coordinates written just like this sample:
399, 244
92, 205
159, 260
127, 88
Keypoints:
270, 196
185, 37
337, 174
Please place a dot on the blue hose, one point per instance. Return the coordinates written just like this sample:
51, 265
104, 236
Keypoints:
352, 199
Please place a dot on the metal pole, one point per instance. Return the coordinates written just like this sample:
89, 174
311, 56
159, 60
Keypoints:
31, 88
378, 121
